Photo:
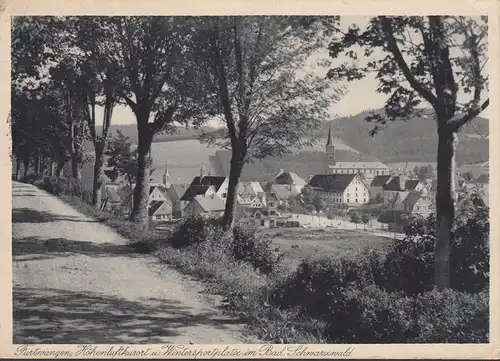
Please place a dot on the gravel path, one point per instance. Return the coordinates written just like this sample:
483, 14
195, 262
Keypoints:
76, 281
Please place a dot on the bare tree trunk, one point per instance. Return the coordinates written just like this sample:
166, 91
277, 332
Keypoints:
18, 167
60, 166
445, 204
26, 165
234, 177
97, 184
141, 192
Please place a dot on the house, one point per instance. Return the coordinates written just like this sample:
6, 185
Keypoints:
205, 206
192, 192
282, 193
398, 184
418, 203
251, 194
290, 179
175, 192
220, 184
159, 211
377, 185
110, 198
340, 188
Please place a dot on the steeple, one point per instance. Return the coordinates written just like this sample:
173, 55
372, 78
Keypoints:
166, 176
330, 152
329, 141
203, 171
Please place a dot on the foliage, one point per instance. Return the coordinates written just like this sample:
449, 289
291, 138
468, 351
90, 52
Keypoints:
355, 217
60, 186
410, 263
255, 248
246, 245
430, 59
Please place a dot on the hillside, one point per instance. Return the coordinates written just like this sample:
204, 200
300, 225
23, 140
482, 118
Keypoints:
407, 141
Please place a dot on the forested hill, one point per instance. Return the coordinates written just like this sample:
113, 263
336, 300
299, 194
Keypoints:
407, 141
401, 141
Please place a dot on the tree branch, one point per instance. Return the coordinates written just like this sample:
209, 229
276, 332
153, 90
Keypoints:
471, 114
398, 56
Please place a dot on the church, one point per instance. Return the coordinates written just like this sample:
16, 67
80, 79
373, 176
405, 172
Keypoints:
366, 170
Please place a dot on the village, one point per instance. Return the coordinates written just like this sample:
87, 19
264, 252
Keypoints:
344, 195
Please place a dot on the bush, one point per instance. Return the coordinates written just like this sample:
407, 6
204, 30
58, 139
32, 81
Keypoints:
244, 245
250, 245
452, 317
194, 230
66, 186
410, 263
318, 282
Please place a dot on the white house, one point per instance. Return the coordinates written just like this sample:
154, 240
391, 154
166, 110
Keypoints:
340, 188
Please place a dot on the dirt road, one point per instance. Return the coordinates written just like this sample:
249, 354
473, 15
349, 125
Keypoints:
76, 281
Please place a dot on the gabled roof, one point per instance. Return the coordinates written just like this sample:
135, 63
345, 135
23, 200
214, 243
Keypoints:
335, 183
210, 204
156, 208
398, 183
209, 180
483, 178
281, 191
380, 180
193, 191
176, 191
289, 178
413, 198
411, 184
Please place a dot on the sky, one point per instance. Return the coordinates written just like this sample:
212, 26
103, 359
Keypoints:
360, 95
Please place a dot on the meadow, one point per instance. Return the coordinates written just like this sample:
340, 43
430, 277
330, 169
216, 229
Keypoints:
299, 243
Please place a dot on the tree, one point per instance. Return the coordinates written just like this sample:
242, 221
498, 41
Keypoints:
437, 60
365, 218
270, 102
468, 176
157, 83
355, 217
121, 159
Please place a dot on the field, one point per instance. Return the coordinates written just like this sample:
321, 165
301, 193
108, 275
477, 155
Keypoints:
333, 242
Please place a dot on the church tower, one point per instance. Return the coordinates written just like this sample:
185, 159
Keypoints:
203, 171
166, 176
329, 152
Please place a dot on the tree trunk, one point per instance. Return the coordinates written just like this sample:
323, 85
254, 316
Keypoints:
76, 169
445, 204
234, 177
60, 166
18, 167
26, 165
97, 184
141, 192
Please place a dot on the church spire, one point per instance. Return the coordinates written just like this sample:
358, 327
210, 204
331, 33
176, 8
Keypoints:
166, 175
330, 138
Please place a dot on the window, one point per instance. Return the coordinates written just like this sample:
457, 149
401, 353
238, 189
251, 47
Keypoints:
356, 200
271, 204
224, 195
272, 213
263, 223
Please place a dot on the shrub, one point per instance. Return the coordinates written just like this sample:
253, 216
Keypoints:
452, 317
252, 246
244, 245
194, 230
410, 263
370, 315
315, 285
66, 186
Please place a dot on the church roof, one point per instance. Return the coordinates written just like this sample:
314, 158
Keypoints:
358, 165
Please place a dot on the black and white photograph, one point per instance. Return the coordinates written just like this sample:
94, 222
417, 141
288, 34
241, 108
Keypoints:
250, 179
